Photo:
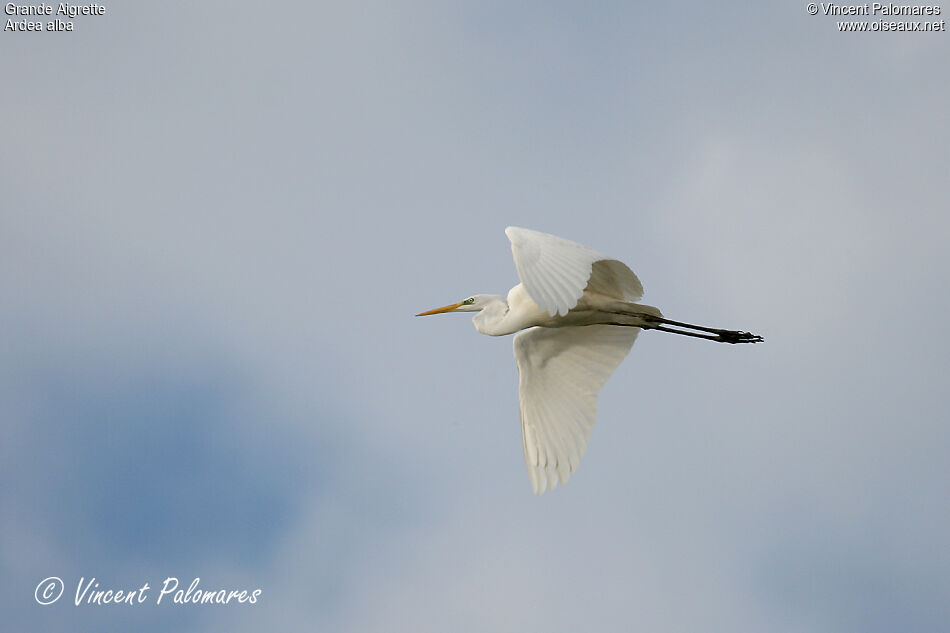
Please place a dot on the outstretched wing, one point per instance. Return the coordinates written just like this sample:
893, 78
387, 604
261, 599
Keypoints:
555, 271
561, 372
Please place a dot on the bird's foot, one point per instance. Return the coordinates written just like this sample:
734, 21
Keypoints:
733, 336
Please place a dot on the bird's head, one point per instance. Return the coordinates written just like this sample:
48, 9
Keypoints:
473, 304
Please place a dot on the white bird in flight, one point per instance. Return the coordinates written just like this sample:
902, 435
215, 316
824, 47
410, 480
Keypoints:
576, 318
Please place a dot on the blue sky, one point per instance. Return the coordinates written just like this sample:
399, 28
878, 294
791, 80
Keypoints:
218, 221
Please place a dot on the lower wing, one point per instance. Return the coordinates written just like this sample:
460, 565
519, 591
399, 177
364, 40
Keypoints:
561, 372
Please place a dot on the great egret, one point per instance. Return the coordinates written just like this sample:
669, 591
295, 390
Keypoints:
576, 319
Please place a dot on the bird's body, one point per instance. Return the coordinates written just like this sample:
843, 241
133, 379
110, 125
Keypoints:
576, 317
499, 317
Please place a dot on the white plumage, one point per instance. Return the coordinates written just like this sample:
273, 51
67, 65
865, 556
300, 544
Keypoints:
576, 320
561, 372
556, 271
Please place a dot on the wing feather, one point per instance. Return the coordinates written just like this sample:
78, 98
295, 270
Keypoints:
556, 272
561, 372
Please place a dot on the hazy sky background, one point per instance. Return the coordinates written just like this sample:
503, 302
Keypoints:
216, 223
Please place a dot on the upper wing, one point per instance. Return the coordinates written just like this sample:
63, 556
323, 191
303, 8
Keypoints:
561, 372
556, 271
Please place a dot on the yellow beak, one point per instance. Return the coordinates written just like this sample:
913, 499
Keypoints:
447, 308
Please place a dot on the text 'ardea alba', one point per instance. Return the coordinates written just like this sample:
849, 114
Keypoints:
576, 319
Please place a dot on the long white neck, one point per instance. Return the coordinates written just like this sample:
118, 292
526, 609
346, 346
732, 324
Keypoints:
494, 320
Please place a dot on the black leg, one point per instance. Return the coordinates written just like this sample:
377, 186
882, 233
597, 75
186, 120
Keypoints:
721, 336
715, 334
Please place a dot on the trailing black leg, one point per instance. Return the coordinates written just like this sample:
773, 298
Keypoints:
714, 334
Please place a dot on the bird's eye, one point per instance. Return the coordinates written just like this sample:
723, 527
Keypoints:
469, 301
